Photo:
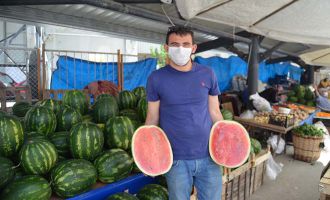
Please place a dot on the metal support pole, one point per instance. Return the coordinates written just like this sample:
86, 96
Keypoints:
253, 64
311, 73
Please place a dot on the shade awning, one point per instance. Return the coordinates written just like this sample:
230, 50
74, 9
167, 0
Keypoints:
301, 21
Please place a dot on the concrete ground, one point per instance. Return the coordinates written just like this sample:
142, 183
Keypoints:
297, 181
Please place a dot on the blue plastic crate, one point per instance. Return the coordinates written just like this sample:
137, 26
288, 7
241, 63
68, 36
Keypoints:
131, 184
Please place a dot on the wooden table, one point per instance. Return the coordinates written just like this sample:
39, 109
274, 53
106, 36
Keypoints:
324, 185
251, 124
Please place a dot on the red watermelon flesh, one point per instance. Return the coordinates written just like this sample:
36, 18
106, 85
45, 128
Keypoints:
229, 144
151, 150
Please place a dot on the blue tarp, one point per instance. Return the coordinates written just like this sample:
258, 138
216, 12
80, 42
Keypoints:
226, 68
77, 73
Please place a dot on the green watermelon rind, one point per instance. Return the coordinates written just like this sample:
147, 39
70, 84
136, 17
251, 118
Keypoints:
151, 192
113, 165
86, 141
7, 171
27, 187
38, 157
11, 136
118, 132
73, 177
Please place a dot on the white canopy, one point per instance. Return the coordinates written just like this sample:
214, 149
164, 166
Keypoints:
320, 57
301, 21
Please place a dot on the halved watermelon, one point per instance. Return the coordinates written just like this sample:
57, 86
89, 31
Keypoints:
151, 150
229, 144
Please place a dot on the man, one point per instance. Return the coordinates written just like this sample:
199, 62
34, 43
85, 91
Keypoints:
183, 101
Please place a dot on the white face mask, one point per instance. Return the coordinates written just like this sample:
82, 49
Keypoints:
325, 94
179, 55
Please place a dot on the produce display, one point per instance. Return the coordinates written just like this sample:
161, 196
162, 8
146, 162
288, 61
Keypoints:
281, 119
152, 192
113, 165
255, 146
226, 114
38, 156
262, 117
122, 196
27, 187
127, 100
302, 95
67, 117
62, 150
72, 177
151, 150
11, 136
105, 108
21, 108
308, 130
229, 144
51, 104
77, 100
7, 171
40, 119
86, 141
118, 132
140, 93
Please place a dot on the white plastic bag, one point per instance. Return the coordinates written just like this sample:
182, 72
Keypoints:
248, 114
272, 168
321, 126
260, 103
272, 141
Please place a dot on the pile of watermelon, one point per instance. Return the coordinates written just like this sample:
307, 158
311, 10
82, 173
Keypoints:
302, 95
63, 147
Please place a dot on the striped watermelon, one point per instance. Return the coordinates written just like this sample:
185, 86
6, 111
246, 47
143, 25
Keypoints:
11, 135
21, 108
152, 192
19, 173
61, 143
73, 177
113, 165
139, 92
2, 113
27, 187
130, 113
127, 100
142, 109
105, 108
122, 196
101, 96
86, 141
77, 100
87, 118
40, 119
68, 117
7, 171
33, 136
51, 104
119, 132
38, 156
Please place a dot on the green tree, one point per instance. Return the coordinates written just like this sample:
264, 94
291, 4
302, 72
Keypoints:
161, 55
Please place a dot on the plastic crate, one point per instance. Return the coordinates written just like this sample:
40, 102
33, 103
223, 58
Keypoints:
131, 184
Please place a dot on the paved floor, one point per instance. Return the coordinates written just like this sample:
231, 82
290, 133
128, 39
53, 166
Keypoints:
297, 181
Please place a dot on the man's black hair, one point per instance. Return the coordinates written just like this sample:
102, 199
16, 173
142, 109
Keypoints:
179, 30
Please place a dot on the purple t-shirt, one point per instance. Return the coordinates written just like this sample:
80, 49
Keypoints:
184, 114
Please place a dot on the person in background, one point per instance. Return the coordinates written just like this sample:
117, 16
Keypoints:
272, 94
322, 100
183, 101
